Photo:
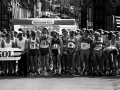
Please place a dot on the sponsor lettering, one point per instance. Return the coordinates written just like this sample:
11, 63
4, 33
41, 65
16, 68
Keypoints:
6, 53
43, 22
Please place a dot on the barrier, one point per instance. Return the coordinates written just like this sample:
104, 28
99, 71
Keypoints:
9, 54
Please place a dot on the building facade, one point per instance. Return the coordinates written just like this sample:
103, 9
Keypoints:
13, 9
5, 16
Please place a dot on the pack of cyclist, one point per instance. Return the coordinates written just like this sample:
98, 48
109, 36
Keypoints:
81, 52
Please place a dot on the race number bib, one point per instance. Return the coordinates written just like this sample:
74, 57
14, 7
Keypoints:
85, 46
98, 47
44, 44
55, 46
33, 46
71, 45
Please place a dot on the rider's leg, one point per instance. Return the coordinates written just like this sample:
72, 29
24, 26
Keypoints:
54, 63
73, 62
87, 54
35, 64
82, 62
59, 63
94, 62
47, 62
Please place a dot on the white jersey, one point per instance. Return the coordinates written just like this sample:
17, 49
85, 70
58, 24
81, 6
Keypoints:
21, 43
8, 45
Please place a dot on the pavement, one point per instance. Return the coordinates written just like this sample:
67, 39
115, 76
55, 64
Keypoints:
59, 83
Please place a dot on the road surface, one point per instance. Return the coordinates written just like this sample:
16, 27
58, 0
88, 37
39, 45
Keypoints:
59, 83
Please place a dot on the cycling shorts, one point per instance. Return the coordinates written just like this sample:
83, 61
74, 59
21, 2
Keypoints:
44, 51
55, 52
33, 52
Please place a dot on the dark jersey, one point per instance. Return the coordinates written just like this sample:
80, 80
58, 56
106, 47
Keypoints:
71, 43
55, 43
86, 43
65, 42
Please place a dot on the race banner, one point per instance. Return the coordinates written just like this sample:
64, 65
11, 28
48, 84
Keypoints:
36, 21
10, 54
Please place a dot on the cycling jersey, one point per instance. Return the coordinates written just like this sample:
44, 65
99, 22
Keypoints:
64, 45
55, 46
98, 46
8, 45
33, 47
21, 43
33, 44
85, 43
44, 46
71, 45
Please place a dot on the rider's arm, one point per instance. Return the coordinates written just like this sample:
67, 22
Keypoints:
117, 45
3, 43
61, 45
79, 44
50, 46
76, 43
26, 45
13, 44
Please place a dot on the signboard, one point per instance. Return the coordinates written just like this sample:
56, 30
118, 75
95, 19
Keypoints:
38, 22
10, 54
43, 21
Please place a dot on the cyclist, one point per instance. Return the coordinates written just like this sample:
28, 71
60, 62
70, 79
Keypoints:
14, 39
113, 46
85, 46
118, 39
22, 63
33, 45
56, 49
97, 52
72, 46
8, 43
64, 55
44, 51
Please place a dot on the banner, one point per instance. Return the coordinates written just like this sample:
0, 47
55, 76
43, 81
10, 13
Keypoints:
9, 54
42, 21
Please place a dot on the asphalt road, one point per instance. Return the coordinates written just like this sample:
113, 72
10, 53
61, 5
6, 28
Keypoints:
59, 83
